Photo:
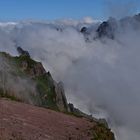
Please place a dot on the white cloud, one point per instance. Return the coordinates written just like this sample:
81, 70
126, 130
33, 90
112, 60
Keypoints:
90, 20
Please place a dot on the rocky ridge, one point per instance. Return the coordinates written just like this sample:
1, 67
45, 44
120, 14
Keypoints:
111, 27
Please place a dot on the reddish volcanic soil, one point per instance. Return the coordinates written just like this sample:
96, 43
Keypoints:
19, 121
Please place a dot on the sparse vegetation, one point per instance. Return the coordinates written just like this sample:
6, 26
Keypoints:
46, 89
74, 114
8, 96
46, 96
100, 132
22, 58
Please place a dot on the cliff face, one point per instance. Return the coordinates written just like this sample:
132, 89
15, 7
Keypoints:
61, 100
41, 89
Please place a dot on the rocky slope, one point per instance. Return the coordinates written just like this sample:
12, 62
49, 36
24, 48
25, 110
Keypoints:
19, 121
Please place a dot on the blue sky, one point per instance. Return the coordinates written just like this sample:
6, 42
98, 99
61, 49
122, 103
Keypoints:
58, 9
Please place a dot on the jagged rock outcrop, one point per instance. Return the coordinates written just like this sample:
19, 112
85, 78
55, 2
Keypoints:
86, 33
41, 90
83, 30
112, 26
33, 70
61, 100
137, 17
107, 29
22, 52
